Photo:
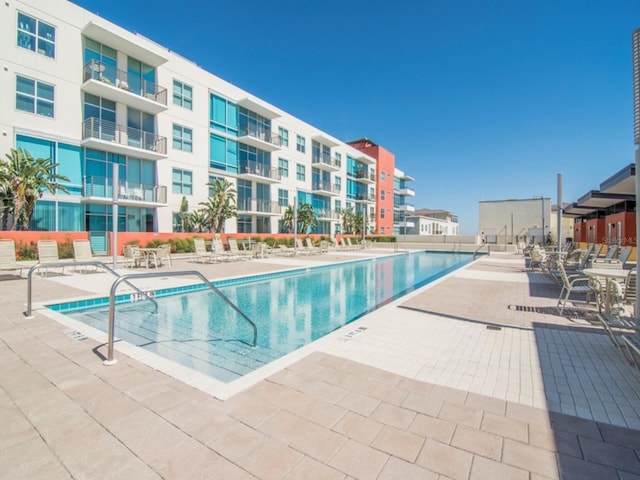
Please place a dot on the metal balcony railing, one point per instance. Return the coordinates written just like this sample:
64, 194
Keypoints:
327, 213
132, 137
255, 168
102, 187
258, 205
326, 160
261, 133
127, 81
365, 197
326, 187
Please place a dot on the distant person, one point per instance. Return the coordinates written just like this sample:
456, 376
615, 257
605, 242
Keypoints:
482, 237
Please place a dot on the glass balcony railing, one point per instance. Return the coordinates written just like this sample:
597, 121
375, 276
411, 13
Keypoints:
122, 135
102, 187
327, 187
126, 81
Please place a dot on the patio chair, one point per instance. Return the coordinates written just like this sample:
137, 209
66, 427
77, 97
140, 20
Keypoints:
615, 326
612, 250
624, 254
201, 253
310, 246
81, 253
575, 284
221, 253
133, 256
8, 257
48, 253
235, 250
163, 253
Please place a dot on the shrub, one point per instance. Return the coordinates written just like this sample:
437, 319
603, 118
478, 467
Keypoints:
26, 251
65, 249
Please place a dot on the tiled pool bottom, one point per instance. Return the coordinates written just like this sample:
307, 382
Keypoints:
198, 330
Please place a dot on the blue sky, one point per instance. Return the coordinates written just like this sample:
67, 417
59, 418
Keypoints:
478, 100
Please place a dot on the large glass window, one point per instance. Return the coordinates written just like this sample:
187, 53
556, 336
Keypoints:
250, 123
182, 181
182, 95
182, 138
223, 114
300, 144
283, 197
223, 153
104, 59
34, 96
141, 77
36, 35
253, 158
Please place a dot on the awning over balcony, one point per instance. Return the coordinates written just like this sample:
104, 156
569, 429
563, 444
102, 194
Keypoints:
622, 182
599, 200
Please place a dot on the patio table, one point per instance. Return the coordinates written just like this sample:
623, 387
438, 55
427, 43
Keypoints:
610, 275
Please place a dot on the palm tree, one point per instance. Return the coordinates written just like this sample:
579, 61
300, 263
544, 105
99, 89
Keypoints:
307, 220
198, 221
28, 178
222, 203
348, 217
6, 197
287, 218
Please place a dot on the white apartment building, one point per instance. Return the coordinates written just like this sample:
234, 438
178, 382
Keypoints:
89, 94
402, 209
433, 222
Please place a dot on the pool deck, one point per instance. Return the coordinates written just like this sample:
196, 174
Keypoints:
472, 377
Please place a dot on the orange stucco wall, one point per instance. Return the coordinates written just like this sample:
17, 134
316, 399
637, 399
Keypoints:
386, 163
628, 226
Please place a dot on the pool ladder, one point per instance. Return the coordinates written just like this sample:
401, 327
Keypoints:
123, 278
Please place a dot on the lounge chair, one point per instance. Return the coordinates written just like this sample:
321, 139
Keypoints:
284, 250
48, 253
201, 253
612, 250
82, 253
221, 253
310, 246
235, 250
8, 257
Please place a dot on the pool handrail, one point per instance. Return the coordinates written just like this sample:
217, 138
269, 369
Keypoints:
70, 263
123, 278
477, 250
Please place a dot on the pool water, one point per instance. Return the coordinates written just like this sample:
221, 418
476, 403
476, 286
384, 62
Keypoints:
199, 330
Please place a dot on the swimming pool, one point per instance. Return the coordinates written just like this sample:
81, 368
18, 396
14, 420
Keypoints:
196, 328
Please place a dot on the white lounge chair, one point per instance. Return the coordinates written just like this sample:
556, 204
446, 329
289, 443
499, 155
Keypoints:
235, 250
310, 246
133, 256
8, 257
82, 252
201, 253
48, 253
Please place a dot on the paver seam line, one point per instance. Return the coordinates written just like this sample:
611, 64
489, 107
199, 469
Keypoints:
129, 396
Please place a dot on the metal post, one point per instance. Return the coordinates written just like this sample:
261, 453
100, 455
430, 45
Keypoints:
559, 213
115, 190
295, 225
543, 239
635, 44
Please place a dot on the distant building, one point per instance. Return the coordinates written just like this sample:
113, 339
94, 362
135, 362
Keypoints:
401, 207
510, 221
432, 222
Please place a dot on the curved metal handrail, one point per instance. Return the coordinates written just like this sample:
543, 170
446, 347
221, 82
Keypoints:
112, 311
477, 250
70, 263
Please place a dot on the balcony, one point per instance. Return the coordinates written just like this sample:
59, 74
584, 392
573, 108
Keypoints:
364, 175
407, 207
326, 214
364, 197
325, 162
100, 190
258, 171
256, 206
108, 82
258, 137
326, 187
103, 135
406, 192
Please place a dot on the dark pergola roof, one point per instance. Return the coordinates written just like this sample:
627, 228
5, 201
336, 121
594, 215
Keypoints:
575, 210
598, 200
622, 182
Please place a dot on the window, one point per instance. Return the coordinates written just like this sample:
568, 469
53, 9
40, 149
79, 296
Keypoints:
223, 114
383, 177
300, 144
182, 182
300, 173
182, 95
284, 136
283, 167
36, 35
182, 138
212, 180
381, 194
283, 197
223, 153
34, 96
